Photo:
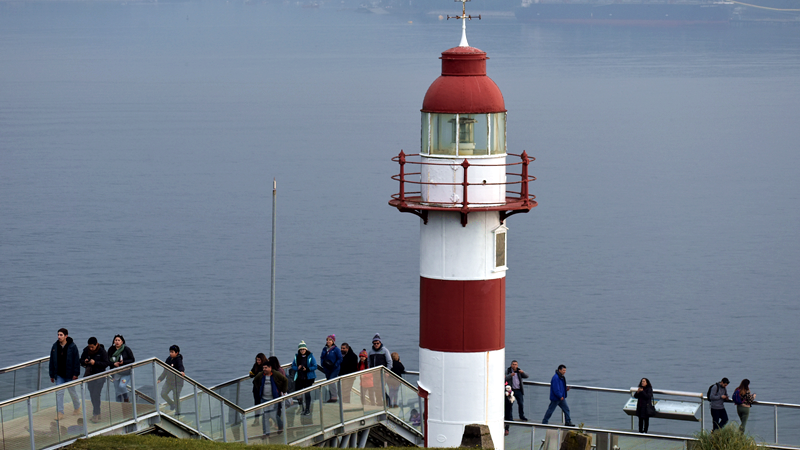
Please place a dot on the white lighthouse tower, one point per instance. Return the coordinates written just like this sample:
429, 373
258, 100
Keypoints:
462, 185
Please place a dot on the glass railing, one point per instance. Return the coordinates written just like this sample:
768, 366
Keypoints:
328, 404
549, 437
133, 393
770, 423
25, 378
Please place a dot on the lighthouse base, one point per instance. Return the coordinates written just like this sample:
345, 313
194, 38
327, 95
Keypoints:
463, 389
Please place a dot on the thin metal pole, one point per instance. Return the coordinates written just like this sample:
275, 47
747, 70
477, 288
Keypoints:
133, 400
776, 424
83, 403
30, 424
702, 415
222, 420
272, 279
155, 400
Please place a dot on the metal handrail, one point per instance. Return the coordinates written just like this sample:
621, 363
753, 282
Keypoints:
23, 365
121, 369
603, 430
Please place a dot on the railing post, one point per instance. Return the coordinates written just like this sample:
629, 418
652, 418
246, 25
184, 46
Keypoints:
383, 390
776, 424
525, 161
155, 393
341, 402
133, 399
196, 408
83, 405
222, 420
244, 427
702, 414
30, 424
402, 158
464, 183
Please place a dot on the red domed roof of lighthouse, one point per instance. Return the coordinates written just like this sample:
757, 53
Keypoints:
463, 87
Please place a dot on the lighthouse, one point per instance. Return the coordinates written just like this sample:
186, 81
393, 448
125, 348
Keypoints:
463, 185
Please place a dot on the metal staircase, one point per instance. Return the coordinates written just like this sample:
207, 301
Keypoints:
374, 405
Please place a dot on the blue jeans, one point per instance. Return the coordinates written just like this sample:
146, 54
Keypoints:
719, 417
520, 398
76, 401
552, 407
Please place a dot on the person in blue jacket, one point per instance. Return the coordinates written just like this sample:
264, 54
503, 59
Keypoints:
304, 368
331, 358
558, 395
65, 366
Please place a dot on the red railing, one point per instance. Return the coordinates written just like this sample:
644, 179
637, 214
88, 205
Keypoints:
515, 201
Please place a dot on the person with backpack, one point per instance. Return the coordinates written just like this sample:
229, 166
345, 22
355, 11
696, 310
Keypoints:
743, 399
717, 394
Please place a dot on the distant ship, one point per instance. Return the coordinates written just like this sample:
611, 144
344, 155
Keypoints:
626, 12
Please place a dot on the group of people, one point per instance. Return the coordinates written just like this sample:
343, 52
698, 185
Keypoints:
717, 394
742, 397
66, 363
270, 381
515, 393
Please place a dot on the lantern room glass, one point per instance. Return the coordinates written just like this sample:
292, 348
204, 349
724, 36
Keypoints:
463, 134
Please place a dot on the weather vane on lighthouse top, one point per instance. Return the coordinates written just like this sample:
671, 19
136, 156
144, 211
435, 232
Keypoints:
463, 18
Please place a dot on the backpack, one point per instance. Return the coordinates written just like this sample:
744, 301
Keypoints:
708, 394
737, 397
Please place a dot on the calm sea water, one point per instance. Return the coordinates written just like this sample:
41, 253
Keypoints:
138, 144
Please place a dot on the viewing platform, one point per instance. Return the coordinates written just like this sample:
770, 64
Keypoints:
226, 413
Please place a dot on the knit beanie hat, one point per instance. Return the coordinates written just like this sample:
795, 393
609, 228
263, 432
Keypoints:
302, 345
377, 338
362, 354
332, 337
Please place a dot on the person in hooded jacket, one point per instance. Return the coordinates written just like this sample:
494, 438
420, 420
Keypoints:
349, 365
644, 396
174, 384
254, 371
331, 358
272, 384
304, 367
65, 366
119, 355
378, 354
95, 359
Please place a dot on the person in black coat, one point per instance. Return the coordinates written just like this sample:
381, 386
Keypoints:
95, 359
258, 367
119, 355
644, 395
174, 383
349, 365
65, 366
394, 386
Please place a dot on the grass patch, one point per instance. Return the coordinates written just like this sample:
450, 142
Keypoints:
728, 438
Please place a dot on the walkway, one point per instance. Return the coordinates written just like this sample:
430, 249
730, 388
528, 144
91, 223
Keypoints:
28, 418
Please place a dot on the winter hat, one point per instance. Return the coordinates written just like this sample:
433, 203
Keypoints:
377, 337
332, 337
363, 353
302, 345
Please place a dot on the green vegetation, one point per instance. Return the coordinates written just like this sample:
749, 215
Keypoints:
728, 438
133, 442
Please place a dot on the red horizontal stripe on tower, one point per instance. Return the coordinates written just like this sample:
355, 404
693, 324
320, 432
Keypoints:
462, 316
